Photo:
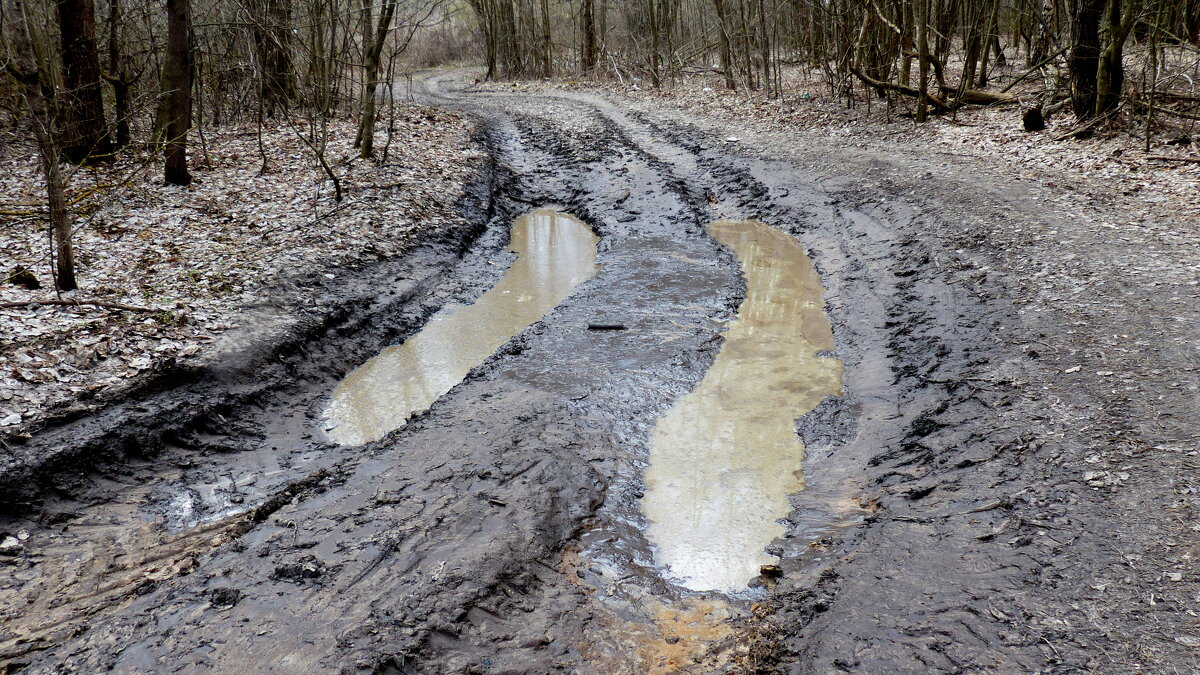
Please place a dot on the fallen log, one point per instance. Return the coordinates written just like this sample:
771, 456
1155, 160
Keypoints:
980, 97
1142, 103
1168, 158
1080, 131
939, 106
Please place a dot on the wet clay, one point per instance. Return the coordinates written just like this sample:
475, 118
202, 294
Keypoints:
724, 460
556, 252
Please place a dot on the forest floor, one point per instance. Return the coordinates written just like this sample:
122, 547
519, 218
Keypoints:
1110, 168
1008, 482
244, 235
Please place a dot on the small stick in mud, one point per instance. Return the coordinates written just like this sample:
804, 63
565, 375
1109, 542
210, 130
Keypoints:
606, 326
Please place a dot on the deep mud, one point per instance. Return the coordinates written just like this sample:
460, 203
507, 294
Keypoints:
972, 502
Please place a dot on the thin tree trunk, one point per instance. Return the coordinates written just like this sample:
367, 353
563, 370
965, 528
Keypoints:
117, 77
366, 123
764, 46
1110, 71
655, 75
547, 45
725, 40
25, 69
587, 52
272, 45
922, 19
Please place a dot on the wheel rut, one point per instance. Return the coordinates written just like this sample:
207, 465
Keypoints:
501, 529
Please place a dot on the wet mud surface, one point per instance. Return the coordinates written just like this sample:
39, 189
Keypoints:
949, 519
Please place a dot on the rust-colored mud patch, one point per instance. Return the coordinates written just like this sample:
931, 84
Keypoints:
636, 633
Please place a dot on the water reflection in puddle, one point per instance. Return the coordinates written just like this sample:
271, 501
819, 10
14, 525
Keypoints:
555, 253
724, 460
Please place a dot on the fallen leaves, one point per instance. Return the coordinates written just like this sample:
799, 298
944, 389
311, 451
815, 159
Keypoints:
195, 256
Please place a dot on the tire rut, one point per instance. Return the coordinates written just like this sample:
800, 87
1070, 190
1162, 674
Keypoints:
500, 530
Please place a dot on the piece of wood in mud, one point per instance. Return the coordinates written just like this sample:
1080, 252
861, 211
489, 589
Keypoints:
606, 326
771, 571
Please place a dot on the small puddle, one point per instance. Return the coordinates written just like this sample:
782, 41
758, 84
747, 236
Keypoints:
724, 460
555, 254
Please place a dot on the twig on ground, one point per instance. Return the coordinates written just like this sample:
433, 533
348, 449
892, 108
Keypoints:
75, 303
1168, 158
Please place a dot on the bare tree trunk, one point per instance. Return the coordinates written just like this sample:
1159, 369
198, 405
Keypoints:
374, 48
117, 77
764, 46
23, 66
1085, 55
272, 45
84, 129
493, 42
922, 19
587, 50
655, 74
725, 39
990, 37
1040, 46
547, 45
177, 85
1110, 70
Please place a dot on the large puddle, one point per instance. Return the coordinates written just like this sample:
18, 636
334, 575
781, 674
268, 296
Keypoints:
724, 460
555, 254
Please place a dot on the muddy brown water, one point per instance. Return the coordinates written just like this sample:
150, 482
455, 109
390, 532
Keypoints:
556, 253
724, 460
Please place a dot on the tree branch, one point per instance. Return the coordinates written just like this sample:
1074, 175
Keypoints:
76, 303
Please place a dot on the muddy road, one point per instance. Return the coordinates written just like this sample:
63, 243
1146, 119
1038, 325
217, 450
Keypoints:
969, 492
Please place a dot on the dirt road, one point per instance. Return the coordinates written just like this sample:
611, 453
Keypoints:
1008, 482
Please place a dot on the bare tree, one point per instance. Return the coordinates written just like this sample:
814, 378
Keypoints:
373, 36
1110, 70
922, 18
588, 53
177, 91
120, 76
84, 134
271, 20
23, 66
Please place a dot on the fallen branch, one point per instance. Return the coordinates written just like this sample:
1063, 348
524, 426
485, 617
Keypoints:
938, 104
1139, 102
980, 97
1080, 130
1035, 68
1168, 158
76, 303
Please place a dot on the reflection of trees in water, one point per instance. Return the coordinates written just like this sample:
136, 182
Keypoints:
725, 458
555, 253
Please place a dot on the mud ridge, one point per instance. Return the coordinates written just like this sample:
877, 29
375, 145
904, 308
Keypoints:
182, 399
499, 531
